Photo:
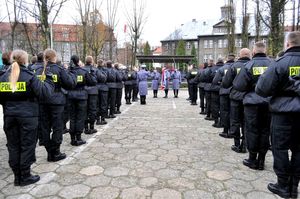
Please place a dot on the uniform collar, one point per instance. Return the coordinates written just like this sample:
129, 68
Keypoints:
293, 49
245, 58
260, 55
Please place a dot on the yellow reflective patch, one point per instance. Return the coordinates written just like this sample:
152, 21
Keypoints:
54, 78
79, 78
294, 70
259, 70
238, 70
129, 75
41, 77
194, 72
225, 71
6, 87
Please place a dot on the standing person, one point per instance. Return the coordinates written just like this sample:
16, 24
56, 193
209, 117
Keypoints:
6, 60
281, 81
224, 96
19, 91
192, 84
130, 76
52, 109
201, 86
256, 108
236, 102
215, 89
135, 86
204, 77
112, 88
142, 77
166, 81
102, 92
89, 125
78, 100
39, 63
156, 78
120, 79
176, 81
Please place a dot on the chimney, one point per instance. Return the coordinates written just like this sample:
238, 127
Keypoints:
194, 20
204, 23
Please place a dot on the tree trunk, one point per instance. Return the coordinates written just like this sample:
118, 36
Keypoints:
245, 38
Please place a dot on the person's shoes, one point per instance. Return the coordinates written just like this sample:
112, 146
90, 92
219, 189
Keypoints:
238, 149
202, 113
193, 103
188, 99
282, 191
165, 96
98, 122
252, 164
56, 155
225, 135
73, 140
79, 140
118, 112
87, 131
92, 131
17, 177
111, 116
217, 125
209, 118
26, 178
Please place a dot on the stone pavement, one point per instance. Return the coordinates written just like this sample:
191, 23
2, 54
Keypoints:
162, 150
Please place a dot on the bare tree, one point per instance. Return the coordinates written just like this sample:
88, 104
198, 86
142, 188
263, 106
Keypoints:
245, 24
257, 20
112, 8
298, 15
136, 20
230, 24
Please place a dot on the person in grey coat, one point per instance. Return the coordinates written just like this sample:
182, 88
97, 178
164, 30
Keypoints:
176, 81
142, 77
156, 78
102, 93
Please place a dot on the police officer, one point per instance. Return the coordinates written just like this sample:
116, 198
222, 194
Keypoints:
224, 95
256, 109
39, 63
92, 99
135, 87
204, 79
142, 77
156, 78
6, 60
176, 81
112, 88
52, 109
120, 79
192, 73
215, 89
281, 81
236, 102
129, 76
78, 100
102, 93
19, 90
166, 81
201, 89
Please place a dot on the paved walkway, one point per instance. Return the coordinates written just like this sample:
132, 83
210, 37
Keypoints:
162, 150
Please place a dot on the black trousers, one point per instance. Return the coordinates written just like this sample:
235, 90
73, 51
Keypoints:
285, 136
67, 109
77, 116
257, 127
237, 119
201, 97
128, 92
194, 93
112, 94
225, 111
52, 125
119, 97
135, 91
102, 103
208, 103
215, 105
21, 135
189, 89
92, 109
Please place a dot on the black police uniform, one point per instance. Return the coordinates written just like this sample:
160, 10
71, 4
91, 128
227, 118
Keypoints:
91, 104
193, 90
201, 92
236, 105
21, 112
102, 95
52, 109
204, 79
256, 110
120, 79
224, 98
215, 97
112, 90
282, 82
129, 75
135, 87
78, 101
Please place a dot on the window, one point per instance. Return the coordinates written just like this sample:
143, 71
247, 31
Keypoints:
196, 44
238, 43
211, 43
167, 46
205, 44
65, 35
225, 43
188, 45
173, 45
220, 43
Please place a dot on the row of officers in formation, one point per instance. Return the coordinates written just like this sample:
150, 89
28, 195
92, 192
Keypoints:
39, 100
256, 100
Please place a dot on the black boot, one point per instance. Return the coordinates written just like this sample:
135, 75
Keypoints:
236, 146
26, 178
98, 122
294, 187
174, 91
261, 160
56, 155
202, 112
176, 96
118, 110
103, 122
155, 95
86, 128
17, 176
251, 162
73, 140
217, 124
280, 188
166, 93
92, 129
79, 140
225, 134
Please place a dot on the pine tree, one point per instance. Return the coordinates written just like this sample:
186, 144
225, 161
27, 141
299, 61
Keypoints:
147, 51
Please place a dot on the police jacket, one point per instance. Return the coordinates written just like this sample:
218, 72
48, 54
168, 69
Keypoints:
198, 78
61, 78
36, 66
203, 78
130, 76
101, 79
247, 78
120, 78
209, 76
220, 76
111, 78
282, 82
134, 78
24, 101
84, 78
191, 75
92, 90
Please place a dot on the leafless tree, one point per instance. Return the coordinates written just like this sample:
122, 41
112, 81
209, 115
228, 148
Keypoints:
136, 19
258, 22
230, 24
245, 24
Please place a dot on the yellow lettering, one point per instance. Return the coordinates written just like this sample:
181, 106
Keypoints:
6, 87
238, 70
79, 78
259, 70
54, 78
194, 72
294, 70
